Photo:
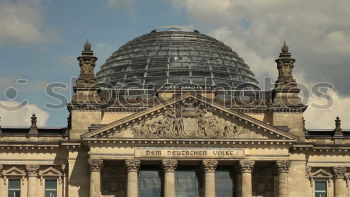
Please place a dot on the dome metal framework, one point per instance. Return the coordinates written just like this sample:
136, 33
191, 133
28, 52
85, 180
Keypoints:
175, 58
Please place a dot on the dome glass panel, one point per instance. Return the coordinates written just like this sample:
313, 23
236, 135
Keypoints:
176, 59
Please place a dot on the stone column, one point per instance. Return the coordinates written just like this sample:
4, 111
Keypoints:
339, 182
246, 170
1, 180
169, 166
32, 172
209, 177
95, 177
283, 169
133, 166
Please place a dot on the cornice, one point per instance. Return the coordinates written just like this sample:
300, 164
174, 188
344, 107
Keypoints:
28, 146
320, 148
186, 142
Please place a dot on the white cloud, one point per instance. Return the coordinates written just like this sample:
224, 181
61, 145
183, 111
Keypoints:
22, 21
127, 5
316, 30
324, 118
21, 116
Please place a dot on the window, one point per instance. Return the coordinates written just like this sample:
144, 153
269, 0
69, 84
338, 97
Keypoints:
149, 183
187, 184
224, 183
14, 188
320, 188
50, 188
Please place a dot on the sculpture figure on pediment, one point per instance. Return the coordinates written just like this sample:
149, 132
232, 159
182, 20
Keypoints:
163, 127
227, 131
202, 127
213, 126
178, 127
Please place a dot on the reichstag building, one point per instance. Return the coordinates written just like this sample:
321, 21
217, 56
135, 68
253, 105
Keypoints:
177, 113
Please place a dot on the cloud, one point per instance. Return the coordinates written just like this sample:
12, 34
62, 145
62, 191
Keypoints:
127, 5
21, 116
317, 32
324, 118
22, 21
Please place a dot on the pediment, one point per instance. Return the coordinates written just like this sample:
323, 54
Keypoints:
190, 117
321, 173
50, 172
14, 171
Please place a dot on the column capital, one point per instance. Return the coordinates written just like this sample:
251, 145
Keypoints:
32, 170
209, 165
169, 165
339, 172
96, 165
132, 165
283, 166
246, 165
1, 169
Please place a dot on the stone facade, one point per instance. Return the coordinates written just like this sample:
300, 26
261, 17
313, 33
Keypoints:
100, 154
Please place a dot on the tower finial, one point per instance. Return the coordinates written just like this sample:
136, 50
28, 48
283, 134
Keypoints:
338, 131
285, 47
337, 123
87, 46
33, 127
285, 65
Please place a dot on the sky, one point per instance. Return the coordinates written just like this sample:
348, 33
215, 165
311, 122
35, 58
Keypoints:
40, 40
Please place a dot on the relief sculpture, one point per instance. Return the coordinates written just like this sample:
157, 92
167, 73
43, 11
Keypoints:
187, 123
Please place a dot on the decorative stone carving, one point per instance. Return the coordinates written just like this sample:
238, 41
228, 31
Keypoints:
95, 165
209, 166
87, 64
52, 173
1, 168
32, 170
246, 166
188, 123
339, 172
283, 166
132, 165
169, 165
33, 128
285, 65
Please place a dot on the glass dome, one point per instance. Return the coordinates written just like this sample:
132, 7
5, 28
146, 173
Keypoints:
176, 58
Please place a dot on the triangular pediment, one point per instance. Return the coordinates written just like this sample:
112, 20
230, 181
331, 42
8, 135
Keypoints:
321, 173
190, 117
50, 172
14, 171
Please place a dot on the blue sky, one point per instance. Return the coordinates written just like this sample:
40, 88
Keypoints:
72, 22
40, 40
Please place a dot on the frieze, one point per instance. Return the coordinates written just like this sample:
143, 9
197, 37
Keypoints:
219, 153
189, 123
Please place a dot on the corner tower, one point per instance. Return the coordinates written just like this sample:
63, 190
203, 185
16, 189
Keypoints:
84, 108
286, 105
